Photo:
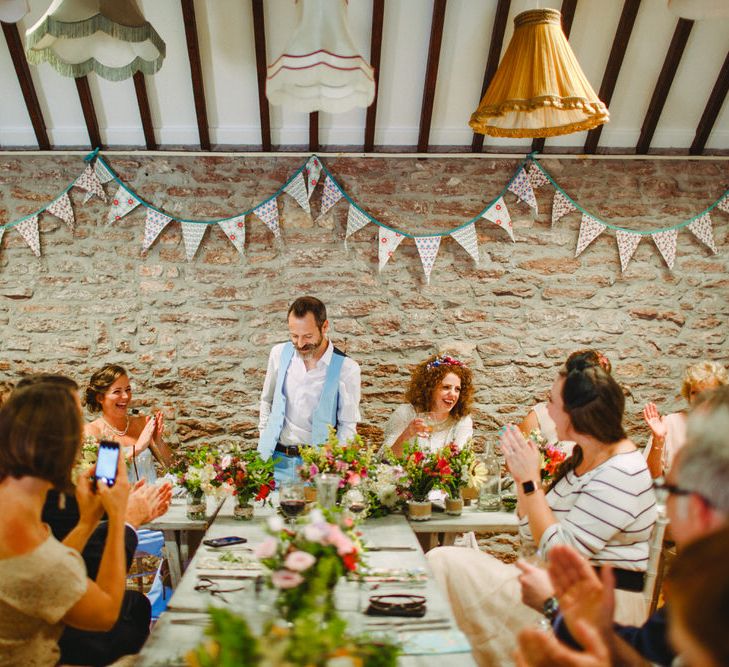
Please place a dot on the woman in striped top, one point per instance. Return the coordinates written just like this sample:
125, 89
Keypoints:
602, 503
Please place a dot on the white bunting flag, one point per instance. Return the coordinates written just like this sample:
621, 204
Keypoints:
723, 204
331, 195
536, 176
388, 242
356, 219
702, 230
90, 183
297, 189
666, 243
61, 208
29, 231
102, 172
627, 243
2, 233
268, 213
522, 188
590, 229
153, 225
192, 233
428, 250
313, 171
121, 203
561, 206
466, 236
499, 215
235, 230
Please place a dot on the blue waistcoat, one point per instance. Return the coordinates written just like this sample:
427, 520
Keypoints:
324, 415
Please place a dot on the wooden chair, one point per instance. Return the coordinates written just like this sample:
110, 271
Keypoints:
656, 564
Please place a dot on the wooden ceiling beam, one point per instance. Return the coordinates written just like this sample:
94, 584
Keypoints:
140, 87
431, 74
22, 71
663, 85
378, 14
568, 14
614, 63
198, 86
87, 107
314, 131
492, 62
712, 109
259, 36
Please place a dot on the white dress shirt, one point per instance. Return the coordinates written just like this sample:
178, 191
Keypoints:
303, 389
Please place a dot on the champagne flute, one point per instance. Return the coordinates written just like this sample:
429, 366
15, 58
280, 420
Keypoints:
292, 500
427, 429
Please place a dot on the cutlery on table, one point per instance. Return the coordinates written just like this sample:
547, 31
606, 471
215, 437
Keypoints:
385, 548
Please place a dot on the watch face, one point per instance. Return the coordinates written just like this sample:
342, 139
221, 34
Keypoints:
551, 607
528, 487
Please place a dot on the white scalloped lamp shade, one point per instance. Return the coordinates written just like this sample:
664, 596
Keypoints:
109, 37
11, 11
321, 68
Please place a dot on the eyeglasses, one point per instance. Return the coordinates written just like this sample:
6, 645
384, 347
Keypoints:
667, 488
212, 587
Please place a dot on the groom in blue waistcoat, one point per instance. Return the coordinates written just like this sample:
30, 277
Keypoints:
309, 385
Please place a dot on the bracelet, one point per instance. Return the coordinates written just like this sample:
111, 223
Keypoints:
397, 602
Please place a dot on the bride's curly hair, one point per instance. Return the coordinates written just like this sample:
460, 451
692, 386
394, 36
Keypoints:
426, 378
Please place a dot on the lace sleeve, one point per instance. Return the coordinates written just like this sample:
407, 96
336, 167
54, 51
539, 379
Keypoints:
397, 423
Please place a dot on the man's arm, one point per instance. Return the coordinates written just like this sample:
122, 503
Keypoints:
269, 387
349, 396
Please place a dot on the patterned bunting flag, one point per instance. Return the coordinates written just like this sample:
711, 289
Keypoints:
297, 189
2, 233
61, 208
102, 172
122, 202
89, 181
522, 188
702, 230
428, 250
29, 231
313, 171
724, 204
536, 176
331, 195
466, 236
590, 229
153, 225
666, 243
389, 240
561, 206
192, 233
627, 243
499, 215
268, 213
235, 230
356, 219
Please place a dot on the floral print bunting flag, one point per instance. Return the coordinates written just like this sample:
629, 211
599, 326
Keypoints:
590, 229
536, 176
499, 215
29, 231
268, 214
522, 188
61, 208
313, 171
388, 241
235, 230
356, 219
627, 243
153, 225
121, 203
666, 243
90, 183
702, 230
466, 236
331, 195
561, 206
297, 189
192, 233
723, 204
428, 250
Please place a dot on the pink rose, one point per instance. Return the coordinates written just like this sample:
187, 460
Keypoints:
286, 579
298, 561
267, 548
339, 540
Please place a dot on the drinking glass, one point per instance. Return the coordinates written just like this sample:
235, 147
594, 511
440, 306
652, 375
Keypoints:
292, 501
326, 489
355, 503
428, 421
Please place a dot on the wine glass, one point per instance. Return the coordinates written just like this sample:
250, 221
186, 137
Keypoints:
292, 500
355, 502
427, 429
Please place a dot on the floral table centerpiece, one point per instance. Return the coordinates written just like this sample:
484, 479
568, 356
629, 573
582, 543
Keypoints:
195, 472
424, 471
386, 489
551, 456
247, 477
459, 460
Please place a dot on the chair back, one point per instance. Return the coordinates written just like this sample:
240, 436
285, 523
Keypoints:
654, 561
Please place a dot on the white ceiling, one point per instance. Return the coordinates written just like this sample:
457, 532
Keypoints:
225, 32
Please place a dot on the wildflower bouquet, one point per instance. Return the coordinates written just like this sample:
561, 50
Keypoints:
459, 460
424, 471
195, 471
551, 455
386, 489
245, 475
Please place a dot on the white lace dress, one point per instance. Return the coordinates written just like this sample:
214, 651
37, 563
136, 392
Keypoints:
142, 466
451, 430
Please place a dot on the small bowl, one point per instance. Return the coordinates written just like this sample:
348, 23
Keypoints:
508, 501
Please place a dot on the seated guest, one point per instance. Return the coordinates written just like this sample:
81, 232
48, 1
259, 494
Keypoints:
668, 434
438, 407
43, 582
110, 392
601, 502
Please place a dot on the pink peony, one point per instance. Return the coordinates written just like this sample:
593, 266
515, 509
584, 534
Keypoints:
267, 548
286, 579
298, 561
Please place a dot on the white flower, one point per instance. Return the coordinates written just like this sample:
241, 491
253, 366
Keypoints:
275, 524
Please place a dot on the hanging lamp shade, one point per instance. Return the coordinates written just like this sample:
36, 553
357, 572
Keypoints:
539, 89
11, 11
321, 68
109, 37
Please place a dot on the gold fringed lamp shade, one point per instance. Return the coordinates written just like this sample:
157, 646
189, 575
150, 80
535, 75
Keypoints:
539, 89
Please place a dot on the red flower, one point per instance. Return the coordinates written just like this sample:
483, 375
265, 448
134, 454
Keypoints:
350, 561
418, 456
263, 492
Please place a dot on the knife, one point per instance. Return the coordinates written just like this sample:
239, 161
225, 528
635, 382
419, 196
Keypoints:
383, 548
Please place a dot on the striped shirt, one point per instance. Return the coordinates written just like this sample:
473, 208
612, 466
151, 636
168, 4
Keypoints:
607, 514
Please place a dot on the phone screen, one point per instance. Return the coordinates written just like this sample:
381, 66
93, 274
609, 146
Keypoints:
224, 541
107, 461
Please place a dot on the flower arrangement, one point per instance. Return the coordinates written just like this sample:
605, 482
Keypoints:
386, 489
195, 471
424, 471
245, 475
459, 460
551, 455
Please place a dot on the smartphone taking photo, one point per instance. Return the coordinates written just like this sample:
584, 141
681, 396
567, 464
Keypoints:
107, 462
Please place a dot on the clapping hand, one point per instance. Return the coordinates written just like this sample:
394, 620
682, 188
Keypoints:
542, 649
535, 585
655, 421
145, 437
159, 426
521, 455
89, 503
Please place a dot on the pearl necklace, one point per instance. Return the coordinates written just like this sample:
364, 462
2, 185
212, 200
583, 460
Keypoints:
116, 431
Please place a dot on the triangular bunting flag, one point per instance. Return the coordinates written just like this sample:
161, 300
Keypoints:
235, 230
356, 219
102, 172
536, 176
389, 240
192, 233
268, 213
466, 236
331, 195
2, 233
522, 188
89, 181
313, 171
561, 206
29, 231
61, 208
499, 215
702, 230
723, 204
590, 229
666, 243
297, 189
428, 250
121, 203
153, 225
627, 243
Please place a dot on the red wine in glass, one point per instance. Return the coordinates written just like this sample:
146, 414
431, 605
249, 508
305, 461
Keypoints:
292, 508
356, 508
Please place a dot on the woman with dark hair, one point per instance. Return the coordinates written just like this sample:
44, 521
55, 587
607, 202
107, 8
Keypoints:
601, 502
43, 582
110, 392
438, 407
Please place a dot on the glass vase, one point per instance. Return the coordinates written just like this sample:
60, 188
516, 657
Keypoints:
489, 497
196, 506
243, 511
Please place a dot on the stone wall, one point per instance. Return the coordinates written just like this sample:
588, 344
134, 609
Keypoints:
196, 335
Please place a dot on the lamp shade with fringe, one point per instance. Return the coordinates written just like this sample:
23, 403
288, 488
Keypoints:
321, 68
539, 89
109, 37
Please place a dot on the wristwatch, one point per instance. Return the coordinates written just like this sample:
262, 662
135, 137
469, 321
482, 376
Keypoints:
528, 487
550, 608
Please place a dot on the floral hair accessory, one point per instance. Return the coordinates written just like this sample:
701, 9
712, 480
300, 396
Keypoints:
444, 360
